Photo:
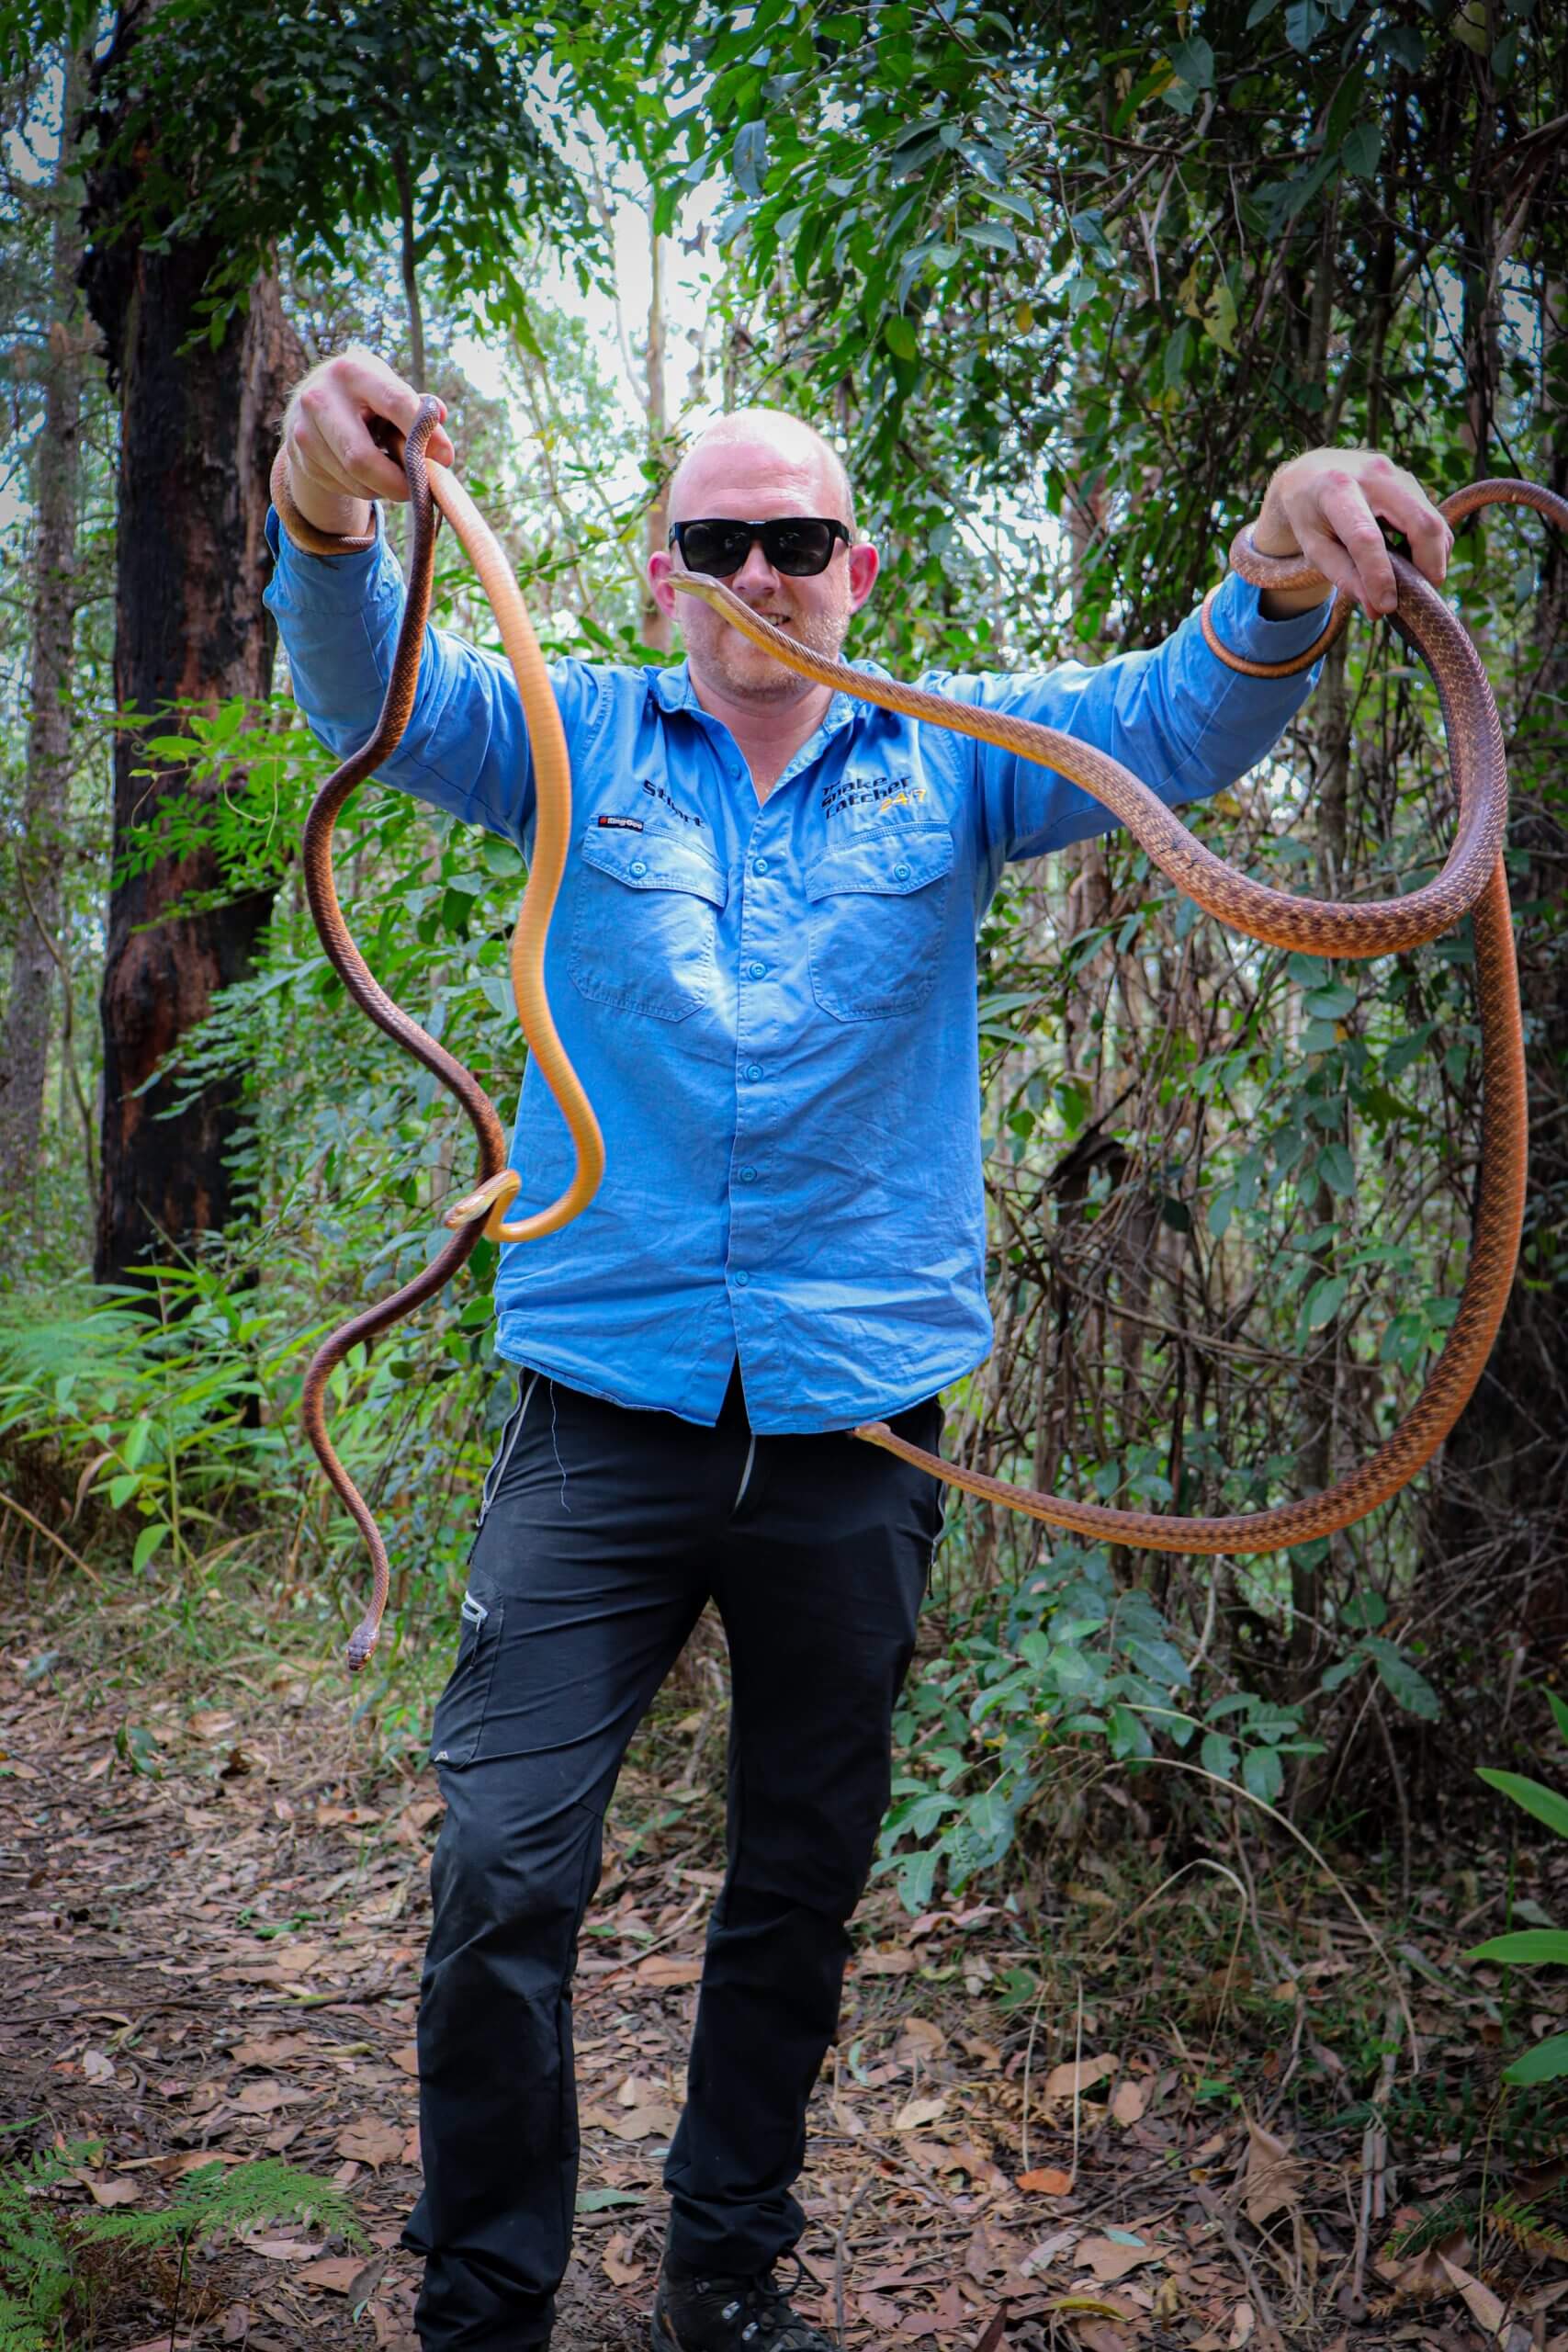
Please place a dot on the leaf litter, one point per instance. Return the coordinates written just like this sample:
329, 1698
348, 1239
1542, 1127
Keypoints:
218, 1959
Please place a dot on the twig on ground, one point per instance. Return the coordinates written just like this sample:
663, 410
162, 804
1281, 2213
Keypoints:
1268, 2338
839, 2237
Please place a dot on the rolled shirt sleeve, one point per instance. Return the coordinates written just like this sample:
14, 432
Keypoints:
465, 748
1179, 718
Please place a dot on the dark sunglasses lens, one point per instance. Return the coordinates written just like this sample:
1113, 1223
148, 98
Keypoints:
716, 548
798, 549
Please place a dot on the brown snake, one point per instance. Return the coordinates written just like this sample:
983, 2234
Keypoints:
1471, 880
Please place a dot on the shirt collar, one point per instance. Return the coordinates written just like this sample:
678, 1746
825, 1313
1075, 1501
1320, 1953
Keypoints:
673, 690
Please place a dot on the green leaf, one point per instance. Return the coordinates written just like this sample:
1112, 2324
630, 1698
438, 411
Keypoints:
1303, 22
1526, 1947
996, 235
1359, 149
122, 1488
1547, 2063
1323, 1301
900, 337
749, 157
1194, 61
1559, 1712
1263, 1774
147, 1541
1405, 1686
602, 2201
1542, 1803
1338, 1168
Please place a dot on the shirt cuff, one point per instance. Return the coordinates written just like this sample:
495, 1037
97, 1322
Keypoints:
326, 583
1241, 627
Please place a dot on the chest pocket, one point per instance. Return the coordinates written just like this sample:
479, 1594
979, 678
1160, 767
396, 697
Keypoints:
645, 923
877, 910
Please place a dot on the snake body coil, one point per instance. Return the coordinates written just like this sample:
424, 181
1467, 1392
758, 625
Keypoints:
1472, 881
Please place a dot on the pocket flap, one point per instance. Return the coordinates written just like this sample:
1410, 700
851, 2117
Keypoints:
893, 863
655, 862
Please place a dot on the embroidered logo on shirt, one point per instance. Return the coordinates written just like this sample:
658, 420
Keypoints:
848, 793
686, 816
621, 824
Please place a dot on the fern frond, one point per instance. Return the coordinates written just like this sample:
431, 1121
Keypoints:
1528, 2228
220, 2198
1445, 2220
19, 2331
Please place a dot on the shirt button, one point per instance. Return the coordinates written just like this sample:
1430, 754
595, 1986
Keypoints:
900, 873
740, 1277
753, 1070
756, 971
748, 1175
639, 865
759, 866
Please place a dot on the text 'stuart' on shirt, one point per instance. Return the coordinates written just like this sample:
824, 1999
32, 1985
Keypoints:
772, 1007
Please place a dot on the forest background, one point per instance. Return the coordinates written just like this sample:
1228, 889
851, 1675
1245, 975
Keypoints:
1064, 287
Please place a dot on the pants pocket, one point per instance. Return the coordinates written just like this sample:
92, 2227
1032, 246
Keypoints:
460, 1711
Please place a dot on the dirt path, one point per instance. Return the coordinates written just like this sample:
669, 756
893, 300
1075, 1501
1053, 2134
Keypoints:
213, 1920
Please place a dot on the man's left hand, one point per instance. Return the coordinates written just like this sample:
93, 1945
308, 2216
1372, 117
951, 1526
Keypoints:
1327, 506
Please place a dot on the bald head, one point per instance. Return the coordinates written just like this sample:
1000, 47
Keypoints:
747, 434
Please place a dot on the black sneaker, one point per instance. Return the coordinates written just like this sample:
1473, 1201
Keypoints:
696, 2314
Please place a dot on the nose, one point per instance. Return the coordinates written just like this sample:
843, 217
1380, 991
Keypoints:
756, 577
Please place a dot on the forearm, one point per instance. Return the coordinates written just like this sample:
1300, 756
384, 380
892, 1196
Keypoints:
465, 749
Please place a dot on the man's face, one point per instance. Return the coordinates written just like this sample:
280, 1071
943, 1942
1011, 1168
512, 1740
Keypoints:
755, 482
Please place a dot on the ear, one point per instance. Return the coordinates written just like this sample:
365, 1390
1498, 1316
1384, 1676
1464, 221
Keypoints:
864, 564
660, 564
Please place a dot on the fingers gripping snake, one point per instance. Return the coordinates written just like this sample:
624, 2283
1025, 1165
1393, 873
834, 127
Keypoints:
1472, 880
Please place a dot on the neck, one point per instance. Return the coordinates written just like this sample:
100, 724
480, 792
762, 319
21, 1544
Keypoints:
768, 733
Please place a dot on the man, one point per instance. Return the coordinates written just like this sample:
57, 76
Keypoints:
763, 966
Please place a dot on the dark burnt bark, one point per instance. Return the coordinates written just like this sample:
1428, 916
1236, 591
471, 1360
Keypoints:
197, 441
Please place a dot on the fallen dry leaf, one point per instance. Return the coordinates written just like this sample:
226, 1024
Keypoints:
370, 2140
916, 2112
1129, 2101
1112, 2258
1077, 2075
1045, 2180
1488, 2310
894, 1962
98, 2066
335, 2274
645, 2122
1273, 2178
668, 1968
111, 2189
620, 2267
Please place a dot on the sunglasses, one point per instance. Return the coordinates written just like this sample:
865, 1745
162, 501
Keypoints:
797, 545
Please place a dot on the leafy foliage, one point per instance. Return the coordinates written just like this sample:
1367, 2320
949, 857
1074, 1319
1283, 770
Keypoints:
1547, 2062
42, 2275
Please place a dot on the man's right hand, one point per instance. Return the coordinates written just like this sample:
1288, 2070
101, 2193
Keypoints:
335, 466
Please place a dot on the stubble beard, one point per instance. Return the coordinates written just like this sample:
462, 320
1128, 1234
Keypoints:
747, 674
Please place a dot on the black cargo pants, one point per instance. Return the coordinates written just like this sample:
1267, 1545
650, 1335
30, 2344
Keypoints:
603, 1533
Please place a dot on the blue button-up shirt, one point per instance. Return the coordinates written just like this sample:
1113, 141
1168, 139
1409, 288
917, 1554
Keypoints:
772, 1006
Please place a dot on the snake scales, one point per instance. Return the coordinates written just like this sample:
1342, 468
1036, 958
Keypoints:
1473, 881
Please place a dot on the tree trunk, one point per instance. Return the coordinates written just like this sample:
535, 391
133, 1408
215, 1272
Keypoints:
45, 815
1500, 1505
655, 627
197, 441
